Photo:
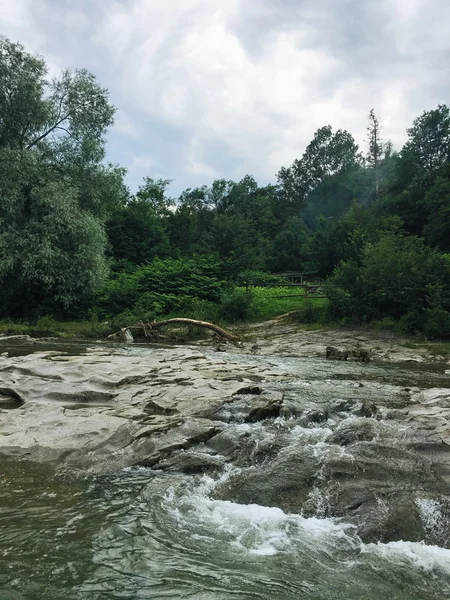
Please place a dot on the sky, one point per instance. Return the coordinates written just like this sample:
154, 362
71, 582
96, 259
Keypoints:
207, 89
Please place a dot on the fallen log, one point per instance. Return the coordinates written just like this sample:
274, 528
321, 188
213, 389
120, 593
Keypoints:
150, 327
205, 324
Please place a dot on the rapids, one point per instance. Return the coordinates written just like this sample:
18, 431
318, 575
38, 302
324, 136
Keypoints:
263, 506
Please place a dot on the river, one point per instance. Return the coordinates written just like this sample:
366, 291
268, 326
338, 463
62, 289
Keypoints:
150, 533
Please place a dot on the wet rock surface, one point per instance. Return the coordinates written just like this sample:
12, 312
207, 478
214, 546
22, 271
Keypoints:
359, 441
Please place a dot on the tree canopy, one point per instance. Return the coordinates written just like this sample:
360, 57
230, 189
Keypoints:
73, 238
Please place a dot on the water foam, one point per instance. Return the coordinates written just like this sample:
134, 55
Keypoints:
428, 558
250, 528
433, 517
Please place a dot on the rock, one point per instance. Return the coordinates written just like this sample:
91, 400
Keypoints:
359, 355
354, 430
190, 461
248, 408
376, 487
188, 434
16, 338
11, 394
361, 409
251, 389
314, 416
332, 353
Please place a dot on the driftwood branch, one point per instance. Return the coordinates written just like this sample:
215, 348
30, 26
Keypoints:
150, 327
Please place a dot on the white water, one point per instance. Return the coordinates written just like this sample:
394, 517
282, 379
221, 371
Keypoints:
267, 531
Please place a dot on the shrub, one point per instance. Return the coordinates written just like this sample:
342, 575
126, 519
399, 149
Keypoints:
161, 288
311, 313
398, 277
436, 323
236, 306
46, 326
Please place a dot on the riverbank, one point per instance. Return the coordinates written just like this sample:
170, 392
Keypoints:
279, 335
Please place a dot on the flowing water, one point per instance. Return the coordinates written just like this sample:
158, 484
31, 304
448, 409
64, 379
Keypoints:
148, 534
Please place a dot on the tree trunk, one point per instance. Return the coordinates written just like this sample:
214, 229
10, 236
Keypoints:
205, 324
148, 328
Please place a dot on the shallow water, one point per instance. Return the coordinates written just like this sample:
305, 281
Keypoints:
140, 534
151, 535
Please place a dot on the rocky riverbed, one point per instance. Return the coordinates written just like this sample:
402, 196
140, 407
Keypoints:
271, 421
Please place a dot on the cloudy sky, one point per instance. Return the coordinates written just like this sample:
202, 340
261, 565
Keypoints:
221, 88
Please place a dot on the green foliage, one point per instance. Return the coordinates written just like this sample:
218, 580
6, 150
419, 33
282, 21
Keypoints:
269, 302
54, 193
311, 313
162, 287
289, 251
46, 326
437, 206
237, 306
58, 252
398, 277
428, 145
66, 217
326, 155
257, 278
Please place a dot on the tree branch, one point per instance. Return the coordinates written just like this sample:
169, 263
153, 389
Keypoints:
46, 133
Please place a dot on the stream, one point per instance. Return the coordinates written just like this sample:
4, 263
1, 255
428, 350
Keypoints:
235, 528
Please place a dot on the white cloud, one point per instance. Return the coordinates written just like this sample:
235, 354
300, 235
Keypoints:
230, 87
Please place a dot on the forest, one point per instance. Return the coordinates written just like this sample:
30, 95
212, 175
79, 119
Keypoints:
373, 223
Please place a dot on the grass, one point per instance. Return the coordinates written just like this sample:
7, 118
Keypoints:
268, 302
264, 303
48, 327
434, 348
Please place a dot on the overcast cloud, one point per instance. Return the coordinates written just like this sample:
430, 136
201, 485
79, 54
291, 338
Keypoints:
221, 88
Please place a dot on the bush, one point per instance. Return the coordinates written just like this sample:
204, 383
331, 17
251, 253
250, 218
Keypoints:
236, 306
311, 313
186, 277
436, 323
161, 288
398, 277
46, 326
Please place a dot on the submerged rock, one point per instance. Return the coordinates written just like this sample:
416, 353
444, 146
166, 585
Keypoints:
332, 353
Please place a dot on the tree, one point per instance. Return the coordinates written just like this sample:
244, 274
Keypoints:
51, 250
154, 194
398, 277
326, 155
437, 203
190, 224
288, 247
417, 167
72, 112
427, 148
54, 190
375, 152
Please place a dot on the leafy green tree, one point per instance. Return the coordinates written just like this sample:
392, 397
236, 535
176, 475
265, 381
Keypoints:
137, 230
326, 155
154, 194
428, 146
419, 164
334, 196
190, 223
398, 276
437, 205
51, 250
54, 190
288, 253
